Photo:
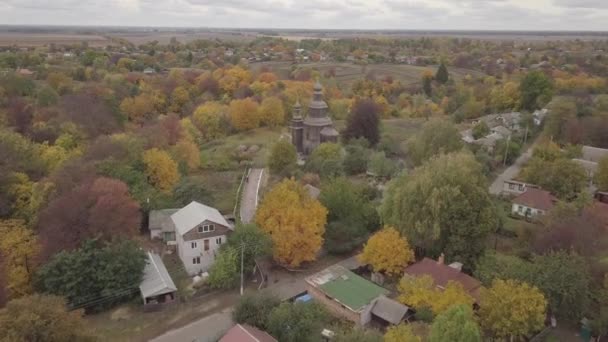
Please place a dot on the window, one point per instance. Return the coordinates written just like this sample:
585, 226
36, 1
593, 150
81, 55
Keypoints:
206, 228
512, 186
196, 261
218, 241
193, 244
521, 209
200, 229
206, 245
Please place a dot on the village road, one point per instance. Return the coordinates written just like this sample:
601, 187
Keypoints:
511, 172
249, 198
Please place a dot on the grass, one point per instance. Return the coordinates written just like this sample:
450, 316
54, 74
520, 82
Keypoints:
176, 270
400, 130
223, 186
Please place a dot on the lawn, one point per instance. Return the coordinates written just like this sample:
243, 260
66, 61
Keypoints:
222, 185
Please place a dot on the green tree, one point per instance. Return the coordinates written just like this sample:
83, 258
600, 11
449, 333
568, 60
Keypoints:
401, 333
442, 76
254, 309
536, 90
601, 175
457, 324
436, 137
563, 177
443, 206
358, 335
47, 96
40, 318
326, 160
427, 82
190, 189
502, 266
356, 159
224, 273
297, 322
257, 243
481, 130
94, 275
282, 158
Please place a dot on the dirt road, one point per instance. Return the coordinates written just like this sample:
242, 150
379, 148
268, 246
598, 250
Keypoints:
249, 198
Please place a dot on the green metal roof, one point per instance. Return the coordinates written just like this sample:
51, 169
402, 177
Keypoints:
352, 290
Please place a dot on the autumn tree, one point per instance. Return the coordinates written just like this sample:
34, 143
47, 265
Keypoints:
138, 109
102, 208
271, 112
95, 275
442, 76
422, 292
401, 333
179, 97
295, 222
436, 137
443, 206
60, 82
456, 324
510, 309
563, 177
19, 249
42, 318
363, 122
326, 160
427, 82
187, 153
387, 252
209, 118
193, 188
601, 175
536, 90
282, 158
244, 114
161, 170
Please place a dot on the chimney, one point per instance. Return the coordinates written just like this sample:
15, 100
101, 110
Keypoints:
441, 259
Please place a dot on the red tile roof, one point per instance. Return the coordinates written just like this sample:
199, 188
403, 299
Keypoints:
442, 274
246, 333
536, 198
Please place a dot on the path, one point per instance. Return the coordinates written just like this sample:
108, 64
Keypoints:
511, 172
249, 197
211, 327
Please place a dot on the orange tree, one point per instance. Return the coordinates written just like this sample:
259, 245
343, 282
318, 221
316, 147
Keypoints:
388, 252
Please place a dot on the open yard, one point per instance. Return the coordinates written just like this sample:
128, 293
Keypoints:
347, 73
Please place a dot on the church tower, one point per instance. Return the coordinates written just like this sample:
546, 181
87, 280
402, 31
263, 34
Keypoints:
297, 128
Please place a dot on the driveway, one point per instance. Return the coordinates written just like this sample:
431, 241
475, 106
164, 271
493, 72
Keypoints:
249, 198
511, 172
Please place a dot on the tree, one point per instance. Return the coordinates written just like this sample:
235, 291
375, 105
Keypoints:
254, 309
601, 175
502, 266
356, 159
563, 177
456, 324
191, 189
19, 250
326, 160
357, 335
39, 318
208, 118
295, 222
60, 82
161, 170
442, 76
46, 96
244, 114
381, 166
387, 252
436, 137
257, 243
282, 158
102, 209
363, 122
272, 112
187, 152
297, 322
179, 97
443, 206
401, 333
421, 292
427, 82
95, 275
138, 109
536, 90
224, 273
512, 309
481, 130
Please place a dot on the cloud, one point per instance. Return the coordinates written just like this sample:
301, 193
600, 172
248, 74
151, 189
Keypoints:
594, 4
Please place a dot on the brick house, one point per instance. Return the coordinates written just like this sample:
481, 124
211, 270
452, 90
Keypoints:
532, 203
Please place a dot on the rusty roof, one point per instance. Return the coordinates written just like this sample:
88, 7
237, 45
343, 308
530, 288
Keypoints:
536, 198
442, 274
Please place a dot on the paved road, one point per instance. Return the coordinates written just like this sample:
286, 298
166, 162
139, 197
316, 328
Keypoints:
249, 198
511, 172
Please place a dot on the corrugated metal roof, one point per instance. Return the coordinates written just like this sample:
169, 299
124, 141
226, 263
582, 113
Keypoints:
157, 280
161, 219
389, 310
194, 214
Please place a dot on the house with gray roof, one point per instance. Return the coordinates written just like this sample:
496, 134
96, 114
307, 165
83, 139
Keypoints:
161, 225
157, 288
200, 230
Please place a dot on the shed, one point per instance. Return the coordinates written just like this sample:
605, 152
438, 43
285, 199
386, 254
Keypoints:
157, 287
389, 310
246, 333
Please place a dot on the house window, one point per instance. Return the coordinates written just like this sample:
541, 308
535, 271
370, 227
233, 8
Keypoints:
206, 245
193, 244
200, 229
206, 228
196, 261
218, 241
521, 187
520, 209
512, 186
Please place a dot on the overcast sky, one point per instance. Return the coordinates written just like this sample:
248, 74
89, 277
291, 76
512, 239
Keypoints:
315, 14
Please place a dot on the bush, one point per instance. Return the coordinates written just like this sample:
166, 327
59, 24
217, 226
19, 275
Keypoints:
424, 314
255, 309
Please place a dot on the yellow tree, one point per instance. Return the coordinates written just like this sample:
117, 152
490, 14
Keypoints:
161, 169
208, 119
295, 222
233, 78
421, 292
510, 309
138, 108
271, 112
401, 333
244, 114
187, 151
388, 252
19, 248
179, 97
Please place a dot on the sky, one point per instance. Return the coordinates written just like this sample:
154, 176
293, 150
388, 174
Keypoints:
574, 15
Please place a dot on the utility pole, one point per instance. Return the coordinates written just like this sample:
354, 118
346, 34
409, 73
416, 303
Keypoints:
242, 258
506, 150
